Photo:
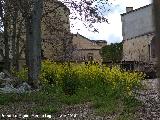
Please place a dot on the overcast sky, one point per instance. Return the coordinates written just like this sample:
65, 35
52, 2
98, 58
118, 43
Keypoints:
111, 32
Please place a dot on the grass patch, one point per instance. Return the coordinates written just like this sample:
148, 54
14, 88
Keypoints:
130, 109
49, 101
8, 98
109, 106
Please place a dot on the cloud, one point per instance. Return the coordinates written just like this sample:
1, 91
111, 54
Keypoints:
112, 38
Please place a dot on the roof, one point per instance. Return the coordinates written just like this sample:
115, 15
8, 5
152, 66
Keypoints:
82, 36
136, 10
94, 41
62, 5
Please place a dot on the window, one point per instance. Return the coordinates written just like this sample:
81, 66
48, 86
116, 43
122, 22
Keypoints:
90, 56
149, 52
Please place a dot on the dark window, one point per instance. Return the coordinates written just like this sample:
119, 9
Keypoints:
149, 51
90, 56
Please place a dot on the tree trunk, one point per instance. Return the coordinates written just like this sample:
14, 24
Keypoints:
4, 18
14, 39
6, 43
18, 37
33, 43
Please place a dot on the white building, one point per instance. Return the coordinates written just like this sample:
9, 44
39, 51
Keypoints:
138, 35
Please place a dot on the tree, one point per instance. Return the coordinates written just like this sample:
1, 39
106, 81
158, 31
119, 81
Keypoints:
33, 43
112, 52
4, 22
89, 12
11, 29
30, 11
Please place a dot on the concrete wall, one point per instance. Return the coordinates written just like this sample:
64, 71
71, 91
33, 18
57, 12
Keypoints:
137, 22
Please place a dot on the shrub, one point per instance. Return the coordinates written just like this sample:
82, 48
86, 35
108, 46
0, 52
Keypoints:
101, 80
70, 82
23, 74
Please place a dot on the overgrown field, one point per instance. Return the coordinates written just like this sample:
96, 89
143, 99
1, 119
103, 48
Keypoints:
110, 90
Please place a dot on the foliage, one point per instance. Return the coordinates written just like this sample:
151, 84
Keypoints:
112, 52
22, 74
109, 89
101, 79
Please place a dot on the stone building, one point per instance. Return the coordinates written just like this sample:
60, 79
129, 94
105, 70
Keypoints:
138, 35
56, 34
85, 49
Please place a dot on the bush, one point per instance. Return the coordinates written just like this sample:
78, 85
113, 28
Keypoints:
101, 80
70, 82
23, 74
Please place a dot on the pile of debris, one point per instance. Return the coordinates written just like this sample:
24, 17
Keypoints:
10, 84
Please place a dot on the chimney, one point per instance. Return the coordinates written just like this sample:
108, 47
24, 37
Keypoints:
129, 9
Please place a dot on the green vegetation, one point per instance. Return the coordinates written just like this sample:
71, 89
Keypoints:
112, 52
109, 90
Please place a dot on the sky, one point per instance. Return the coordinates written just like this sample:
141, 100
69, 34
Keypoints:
111, 32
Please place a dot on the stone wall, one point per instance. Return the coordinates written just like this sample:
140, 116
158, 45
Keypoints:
83, 55
85, 49
56, 31
138, 49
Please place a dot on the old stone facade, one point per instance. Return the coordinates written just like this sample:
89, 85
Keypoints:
138, 49
56, 31
85, 49
138, 35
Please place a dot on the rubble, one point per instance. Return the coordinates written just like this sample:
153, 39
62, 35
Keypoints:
9, 84
2, 75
